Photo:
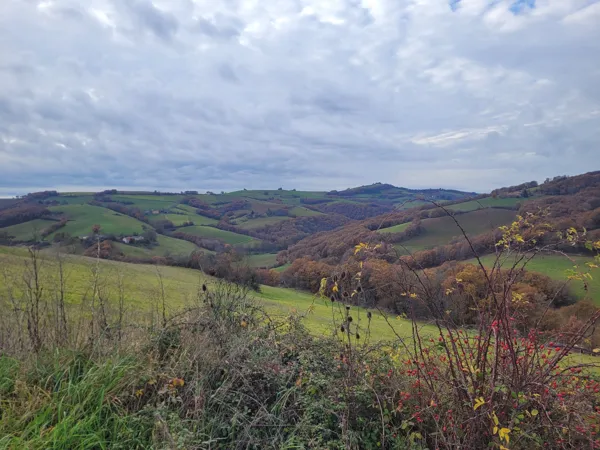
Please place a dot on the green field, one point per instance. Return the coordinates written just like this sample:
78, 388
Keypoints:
555, 267
304, 212
395, 228
149, 202
214, 233
75, 199
167, 246
83, 217
142, 289
28, 230
411, 204
442, 230
261, 222
180, 219
282, 268
487, 202
264, 260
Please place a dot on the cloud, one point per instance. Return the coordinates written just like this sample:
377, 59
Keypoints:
197, 94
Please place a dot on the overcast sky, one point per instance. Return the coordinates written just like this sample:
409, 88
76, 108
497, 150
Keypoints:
306, 94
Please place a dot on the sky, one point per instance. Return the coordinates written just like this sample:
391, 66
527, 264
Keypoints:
305, 94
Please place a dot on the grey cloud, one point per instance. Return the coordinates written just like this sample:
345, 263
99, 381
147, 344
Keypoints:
227, 73
163, 24
221, 27
315, 95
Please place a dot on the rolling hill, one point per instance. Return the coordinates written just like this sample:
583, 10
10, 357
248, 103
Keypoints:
443, 230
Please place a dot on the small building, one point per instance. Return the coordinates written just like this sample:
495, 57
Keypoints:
132, 239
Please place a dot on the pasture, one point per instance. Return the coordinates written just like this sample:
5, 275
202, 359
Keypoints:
487, 202
260, 222
142, 287
167, 246
263, 260
83, 217
29, 230
181, 219
556, 266
214, 233
395, 228
442, 230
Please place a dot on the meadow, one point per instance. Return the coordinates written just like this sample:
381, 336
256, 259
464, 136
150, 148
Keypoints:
28, 230
442, 230
142, 284
215, 233
556, 266
83, 217
260, 222
262, 260
181, 219
395, 229
166, 246
487, 202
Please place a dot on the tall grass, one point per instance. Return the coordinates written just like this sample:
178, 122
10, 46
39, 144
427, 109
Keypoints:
221, 373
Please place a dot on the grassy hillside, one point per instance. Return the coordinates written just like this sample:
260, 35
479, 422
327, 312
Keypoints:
262, 260
83, 217
73, 199
141, 283
261, 222
487, 202
556, 267
180, 219
395, 228
443, 230
28, 230
214, 233
167, 246
150, 202
304, 212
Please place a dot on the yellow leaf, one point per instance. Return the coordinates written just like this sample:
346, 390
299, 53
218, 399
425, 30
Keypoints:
534, 412
495, 430
503, 434
596, 350
478, 402
335, 288
413, 295
502, 447
360, 247
496, 422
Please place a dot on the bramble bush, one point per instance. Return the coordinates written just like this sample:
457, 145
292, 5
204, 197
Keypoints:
496, 384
